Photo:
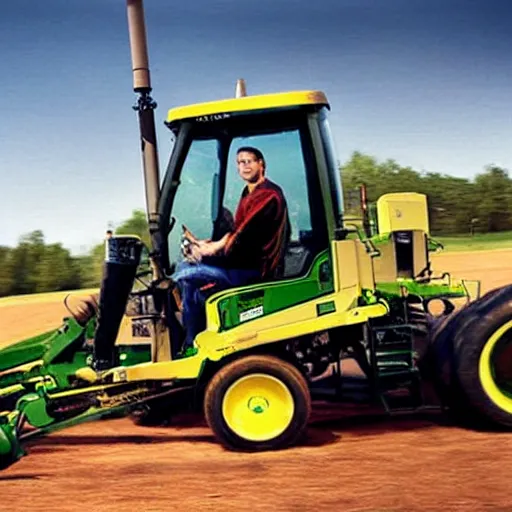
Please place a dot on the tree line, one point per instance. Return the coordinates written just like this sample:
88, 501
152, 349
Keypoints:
34, 266
456, 206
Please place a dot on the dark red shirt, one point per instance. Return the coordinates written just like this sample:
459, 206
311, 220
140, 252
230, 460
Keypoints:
261, 229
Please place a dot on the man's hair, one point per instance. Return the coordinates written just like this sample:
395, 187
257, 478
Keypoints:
255, 151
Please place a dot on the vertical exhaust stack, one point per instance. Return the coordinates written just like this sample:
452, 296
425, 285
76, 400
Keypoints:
145, 108
122, 254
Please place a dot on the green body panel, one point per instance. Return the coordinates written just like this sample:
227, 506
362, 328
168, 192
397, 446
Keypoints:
26, 351
33, 407
259, 300
46, 346
129, 356
425, 290
72, 332
61, 351
10, 448
381, 239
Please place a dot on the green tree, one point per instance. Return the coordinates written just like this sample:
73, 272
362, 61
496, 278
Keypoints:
56, 270
454, 203
137, 225
6, 279
494, 192
24, 259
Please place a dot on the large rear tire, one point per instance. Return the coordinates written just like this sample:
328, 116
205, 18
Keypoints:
473, 361
257, 403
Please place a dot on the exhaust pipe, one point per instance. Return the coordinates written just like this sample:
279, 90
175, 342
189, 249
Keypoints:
145, 107
122, 254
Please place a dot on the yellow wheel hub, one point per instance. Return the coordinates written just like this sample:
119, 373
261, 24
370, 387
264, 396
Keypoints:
258, 407
501, 399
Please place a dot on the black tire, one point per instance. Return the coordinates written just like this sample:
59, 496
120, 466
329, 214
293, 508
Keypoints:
472, 342
457, 348
278, 374
153, 415
437, 364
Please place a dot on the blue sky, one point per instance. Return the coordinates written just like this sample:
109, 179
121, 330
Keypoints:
426, 82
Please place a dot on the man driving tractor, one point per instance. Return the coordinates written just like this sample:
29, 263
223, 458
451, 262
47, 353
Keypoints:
252, 251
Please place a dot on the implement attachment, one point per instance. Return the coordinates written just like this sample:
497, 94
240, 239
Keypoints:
47, 410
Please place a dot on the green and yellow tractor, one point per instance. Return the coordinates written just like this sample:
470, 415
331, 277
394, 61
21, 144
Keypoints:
350, 290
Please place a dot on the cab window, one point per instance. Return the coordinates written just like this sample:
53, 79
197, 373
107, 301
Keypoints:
284, 166
192, 205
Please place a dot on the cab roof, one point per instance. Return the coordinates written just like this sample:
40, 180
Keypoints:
248, 103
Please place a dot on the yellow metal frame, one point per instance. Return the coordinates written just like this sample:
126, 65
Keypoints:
349, 264
247, 103
353, 271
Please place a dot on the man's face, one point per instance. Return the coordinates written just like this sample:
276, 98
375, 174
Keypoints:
249, 167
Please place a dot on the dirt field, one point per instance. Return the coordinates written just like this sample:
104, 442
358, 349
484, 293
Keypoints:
349, 461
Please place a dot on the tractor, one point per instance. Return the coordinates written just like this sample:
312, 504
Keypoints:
349, 290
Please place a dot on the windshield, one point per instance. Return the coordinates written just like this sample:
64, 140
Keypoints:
210, 186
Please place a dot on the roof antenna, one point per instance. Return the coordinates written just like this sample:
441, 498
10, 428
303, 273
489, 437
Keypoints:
241, 89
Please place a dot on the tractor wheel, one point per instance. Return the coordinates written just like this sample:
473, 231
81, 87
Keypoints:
474, 360
257, 403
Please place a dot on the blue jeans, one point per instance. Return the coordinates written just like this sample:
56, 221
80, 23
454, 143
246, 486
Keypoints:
191, 277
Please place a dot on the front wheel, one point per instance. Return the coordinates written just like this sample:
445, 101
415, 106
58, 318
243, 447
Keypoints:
257, 403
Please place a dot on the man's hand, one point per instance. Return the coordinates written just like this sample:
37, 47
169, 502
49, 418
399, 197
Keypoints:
195, 250
209, 248
188, 234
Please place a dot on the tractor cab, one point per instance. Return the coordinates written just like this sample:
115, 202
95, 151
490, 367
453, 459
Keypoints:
202, 186
201, 189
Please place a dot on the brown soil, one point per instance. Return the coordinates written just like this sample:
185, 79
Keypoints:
351, 459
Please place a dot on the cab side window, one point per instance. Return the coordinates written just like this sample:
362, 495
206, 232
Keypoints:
285, 167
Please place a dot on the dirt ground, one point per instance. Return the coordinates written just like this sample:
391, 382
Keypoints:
351, 459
